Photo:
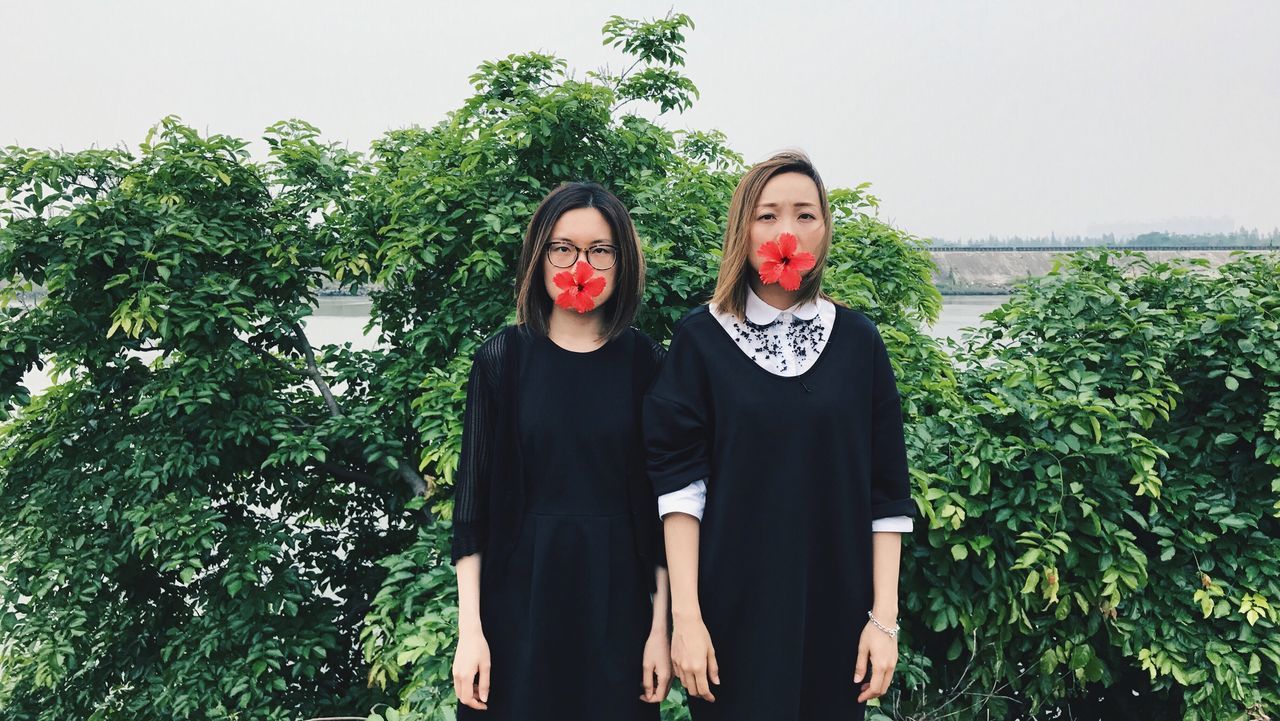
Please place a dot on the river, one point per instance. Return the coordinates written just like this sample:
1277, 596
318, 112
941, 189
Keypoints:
340, 319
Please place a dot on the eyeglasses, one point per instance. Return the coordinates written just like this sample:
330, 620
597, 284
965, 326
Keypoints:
564, 255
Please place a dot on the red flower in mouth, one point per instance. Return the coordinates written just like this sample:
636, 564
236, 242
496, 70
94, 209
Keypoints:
782, 264
578, 288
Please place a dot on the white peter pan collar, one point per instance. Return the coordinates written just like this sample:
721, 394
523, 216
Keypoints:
761, 313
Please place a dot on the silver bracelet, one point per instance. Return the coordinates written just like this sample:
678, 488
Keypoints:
893, 632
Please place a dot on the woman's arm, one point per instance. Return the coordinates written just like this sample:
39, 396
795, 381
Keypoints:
677, 436
661, 601
471, 662
657, 650
692, 654
886, 554
468, 574
890, 499
876, 647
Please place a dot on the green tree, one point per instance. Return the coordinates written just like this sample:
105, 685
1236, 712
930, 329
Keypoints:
1101, 503
207, 516
441, 216
447, 242
191, 514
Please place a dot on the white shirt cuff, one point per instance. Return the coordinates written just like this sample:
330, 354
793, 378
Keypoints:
892, 524
692, 499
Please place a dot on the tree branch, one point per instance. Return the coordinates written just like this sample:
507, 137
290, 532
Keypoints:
420, 487
276, 361
625, 73
358, 477
314, 371
410, 475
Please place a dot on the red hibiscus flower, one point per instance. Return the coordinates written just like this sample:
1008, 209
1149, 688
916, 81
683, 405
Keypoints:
578, 288
782, 264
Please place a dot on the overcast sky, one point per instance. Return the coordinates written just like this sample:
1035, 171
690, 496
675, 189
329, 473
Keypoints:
970, 119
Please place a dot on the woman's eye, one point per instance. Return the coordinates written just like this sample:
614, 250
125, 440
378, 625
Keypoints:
807, 216
766, 216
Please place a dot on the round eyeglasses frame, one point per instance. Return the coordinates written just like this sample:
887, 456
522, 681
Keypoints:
593, 259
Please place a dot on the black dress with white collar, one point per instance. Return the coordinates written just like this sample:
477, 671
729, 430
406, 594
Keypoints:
797, 468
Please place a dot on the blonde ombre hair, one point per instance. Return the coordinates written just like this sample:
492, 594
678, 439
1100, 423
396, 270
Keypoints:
735, 265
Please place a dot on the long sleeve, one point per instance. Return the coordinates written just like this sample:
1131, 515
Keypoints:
676, 431
473, 479
651, 355
890, 479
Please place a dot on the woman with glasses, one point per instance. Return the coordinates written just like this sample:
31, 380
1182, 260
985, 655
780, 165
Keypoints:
562, 593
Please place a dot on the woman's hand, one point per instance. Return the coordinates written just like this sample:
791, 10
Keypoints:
694, 658
657, 667
879, 650
471, 670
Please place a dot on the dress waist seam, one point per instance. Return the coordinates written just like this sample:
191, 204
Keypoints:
622, 514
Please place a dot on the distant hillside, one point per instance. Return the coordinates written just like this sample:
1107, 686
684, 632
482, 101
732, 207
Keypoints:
1239, 239
977, 271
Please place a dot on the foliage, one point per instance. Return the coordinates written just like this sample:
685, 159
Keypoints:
441, 215
1101, 502
209, 517
189, 530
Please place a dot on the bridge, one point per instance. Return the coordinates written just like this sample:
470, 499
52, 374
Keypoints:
1069, 248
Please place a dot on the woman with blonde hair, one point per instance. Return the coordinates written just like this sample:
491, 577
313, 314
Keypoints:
775, 443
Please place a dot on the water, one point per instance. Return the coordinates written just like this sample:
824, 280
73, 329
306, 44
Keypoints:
342, 319
963, 311
337, 319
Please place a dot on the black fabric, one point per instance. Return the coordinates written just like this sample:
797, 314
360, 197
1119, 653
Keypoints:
796, 469
473, 494
489, 487
577, 419
573, 594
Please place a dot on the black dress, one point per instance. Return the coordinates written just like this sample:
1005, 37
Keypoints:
566, 610
796, 469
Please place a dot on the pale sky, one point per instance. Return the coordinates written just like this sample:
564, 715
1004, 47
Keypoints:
970, 118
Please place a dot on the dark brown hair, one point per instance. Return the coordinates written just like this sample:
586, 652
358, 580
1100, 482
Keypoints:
533, 304
735, 266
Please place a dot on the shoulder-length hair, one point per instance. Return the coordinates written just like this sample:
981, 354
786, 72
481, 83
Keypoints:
735, 267
533, 304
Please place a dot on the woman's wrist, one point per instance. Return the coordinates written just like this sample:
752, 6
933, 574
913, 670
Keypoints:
887, 624
686, 615
885, 611
469, 626
660, 622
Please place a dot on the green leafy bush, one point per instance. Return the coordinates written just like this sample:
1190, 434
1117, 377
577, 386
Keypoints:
1101, 499
179, 537
209, 517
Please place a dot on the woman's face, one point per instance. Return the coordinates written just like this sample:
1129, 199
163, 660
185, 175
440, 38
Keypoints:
788, 204
580, 235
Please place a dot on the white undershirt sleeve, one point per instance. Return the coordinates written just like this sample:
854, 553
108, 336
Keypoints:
692, 499
892, 524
